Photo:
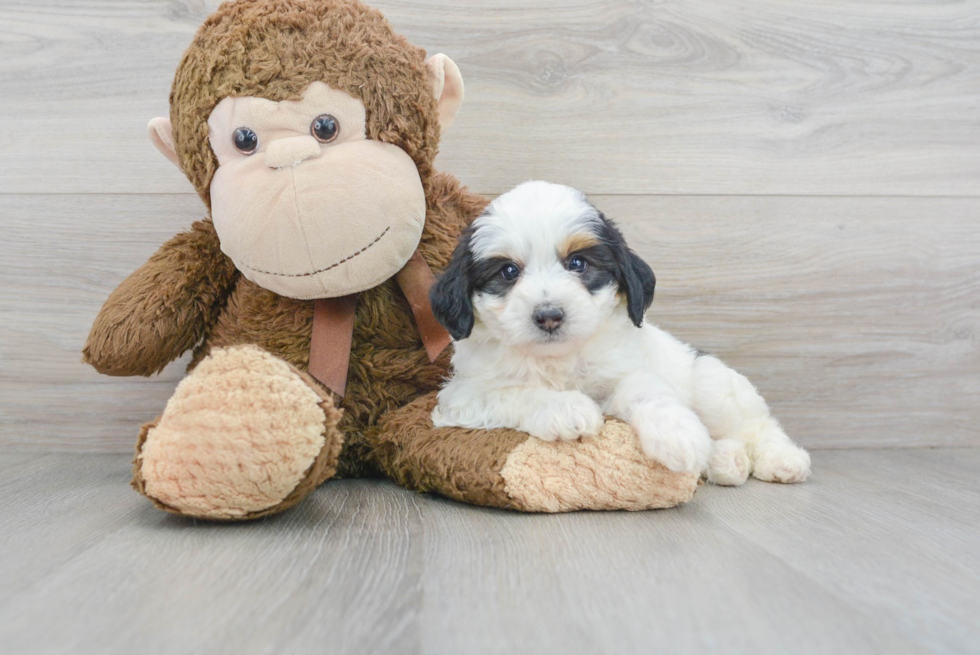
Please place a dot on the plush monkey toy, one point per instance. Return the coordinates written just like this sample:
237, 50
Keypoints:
309, 130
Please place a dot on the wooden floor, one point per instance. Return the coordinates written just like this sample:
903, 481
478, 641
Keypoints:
801, 174
876, 554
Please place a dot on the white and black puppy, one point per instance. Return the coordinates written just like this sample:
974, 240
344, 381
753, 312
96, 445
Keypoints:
545, 302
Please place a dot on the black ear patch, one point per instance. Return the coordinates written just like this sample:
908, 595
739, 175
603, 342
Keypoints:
451, 295
634, 276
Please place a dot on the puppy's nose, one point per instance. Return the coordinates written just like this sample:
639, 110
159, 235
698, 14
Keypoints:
548, 318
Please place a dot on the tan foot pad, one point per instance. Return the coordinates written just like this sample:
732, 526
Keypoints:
241, 434
608, 471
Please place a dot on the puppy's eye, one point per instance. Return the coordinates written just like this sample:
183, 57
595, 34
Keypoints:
510, 272
246, 141
325, 128
576, 264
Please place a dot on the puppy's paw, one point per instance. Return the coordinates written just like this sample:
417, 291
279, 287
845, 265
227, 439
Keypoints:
674, 436
566, 416
729, 464
785, 463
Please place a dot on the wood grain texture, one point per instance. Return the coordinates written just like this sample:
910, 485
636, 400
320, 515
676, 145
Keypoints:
858, 318
728, 136
876, 553
897, 522
62, 255
344, 572
603, 583
612, 96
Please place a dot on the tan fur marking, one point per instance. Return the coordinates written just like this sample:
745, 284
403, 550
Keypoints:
576, 242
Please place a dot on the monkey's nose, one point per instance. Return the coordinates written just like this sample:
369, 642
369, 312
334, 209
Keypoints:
548, 318
291, 150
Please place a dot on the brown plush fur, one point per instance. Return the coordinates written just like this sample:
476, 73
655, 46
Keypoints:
274, 50
458, 463
164, 308
389, 366
189, 294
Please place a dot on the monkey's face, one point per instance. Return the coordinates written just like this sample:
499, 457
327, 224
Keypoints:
304, 204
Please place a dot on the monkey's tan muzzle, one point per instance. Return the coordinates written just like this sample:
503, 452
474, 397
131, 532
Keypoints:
324, 224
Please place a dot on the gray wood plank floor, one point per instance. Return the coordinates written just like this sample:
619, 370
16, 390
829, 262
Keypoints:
877, 553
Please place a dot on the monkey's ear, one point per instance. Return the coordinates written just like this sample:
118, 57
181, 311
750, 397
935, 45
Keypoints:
162, 136
447, 87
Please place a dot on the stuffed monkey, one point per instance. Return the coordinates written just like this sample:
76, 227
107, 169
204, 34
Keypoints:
309, 129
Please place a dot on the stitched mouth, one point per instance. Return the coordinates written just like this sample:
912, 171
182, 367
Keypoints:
326, 268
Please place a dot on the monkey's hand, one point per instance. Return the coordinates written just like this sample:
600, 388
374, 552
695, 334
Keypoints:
163, 308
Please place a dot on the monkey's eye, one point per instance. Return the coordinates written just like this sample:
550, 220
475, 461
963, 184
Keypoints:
325, 128
510, 271
246, 141
576, 264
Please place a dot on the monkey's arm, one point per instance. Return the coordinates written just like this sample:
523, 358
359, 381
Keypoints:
164, 307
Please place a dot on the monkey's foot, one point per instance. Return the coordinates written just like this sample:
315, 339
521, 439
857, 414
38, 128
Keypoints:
608, 471
243, 436
507, 468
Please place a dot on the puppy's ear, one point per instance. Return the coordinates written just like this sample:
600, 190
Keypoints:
451, 295
635, 277
640, 282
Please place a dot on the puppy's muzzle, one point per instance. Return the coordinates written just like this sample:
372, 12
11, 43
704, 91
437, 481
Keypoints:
548, 318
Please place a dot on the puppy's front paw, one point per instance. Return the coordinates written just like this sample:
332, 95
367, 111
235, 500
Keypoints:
785, 463
674, 436
567, 416
729, 464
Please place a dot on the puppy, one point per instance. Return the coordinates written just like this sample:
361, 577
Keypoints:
545, 302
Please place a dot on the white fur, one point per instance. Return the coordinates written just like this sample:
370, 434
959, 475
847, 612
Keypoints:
509, 373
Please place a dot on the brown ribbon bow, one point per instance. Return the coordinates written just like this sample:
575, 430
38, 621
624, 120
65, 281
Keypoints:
333, 325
